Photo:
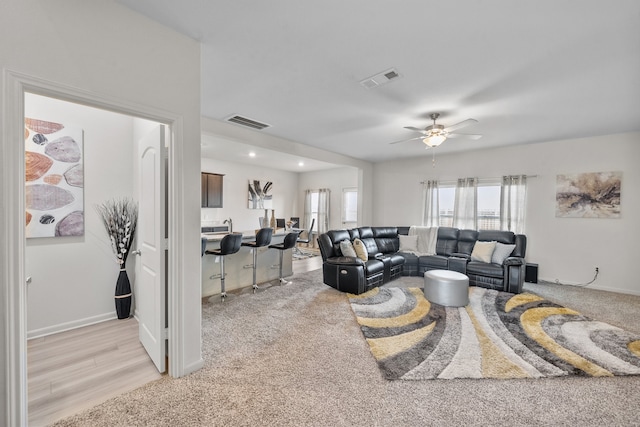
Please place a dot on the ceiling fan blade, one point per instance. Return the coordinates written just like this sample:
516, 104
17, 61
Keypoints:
406, 140
460, 125
464, 135
415, 129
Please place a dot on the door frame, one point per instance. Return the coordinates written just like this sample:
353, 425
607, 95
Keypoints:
13, 279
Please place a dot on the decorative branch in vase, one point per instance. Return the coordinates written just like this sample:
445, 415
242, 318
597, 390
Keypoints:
120, 217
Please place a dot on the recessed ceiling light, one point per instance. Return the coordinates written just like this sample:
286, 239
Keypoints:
252, 154
300, 163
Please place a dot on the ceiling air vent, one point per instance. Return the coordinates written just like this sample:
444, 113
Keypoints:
239, 120
380, 78
391, 74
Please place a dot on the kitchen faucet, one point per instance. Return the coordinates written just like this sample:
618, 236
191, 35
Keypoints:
230, 222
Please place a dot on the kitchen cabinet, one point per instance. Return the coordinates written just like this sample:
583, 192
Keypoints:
211, 190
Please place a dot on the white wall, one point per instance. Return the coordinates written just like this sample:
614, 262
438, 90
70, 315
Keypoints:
102, 48
567, 249
364, 170
74, 277
335, 180
288, 192
235, 194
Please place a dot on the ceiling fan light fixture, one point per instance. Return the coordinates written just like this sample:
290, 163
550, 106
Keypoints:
435, 134
434, 140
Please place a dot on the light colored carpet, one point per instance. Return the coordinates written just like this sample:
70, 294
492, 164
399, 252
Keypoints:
497, 335
294, 356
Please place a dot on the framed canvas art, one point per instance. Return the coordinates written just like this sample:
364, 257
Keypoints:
588, 195
260, 194
54, 178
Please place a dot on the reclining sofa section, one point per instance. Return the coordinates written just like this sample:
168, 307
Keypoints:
386, 262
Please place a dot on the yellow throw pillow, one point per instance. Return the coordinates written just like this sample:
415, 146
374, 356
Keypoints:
482, 251
361, 250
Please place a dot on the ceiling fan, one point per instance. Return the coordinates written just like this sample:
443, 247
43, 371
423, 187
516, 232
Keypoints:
435, 134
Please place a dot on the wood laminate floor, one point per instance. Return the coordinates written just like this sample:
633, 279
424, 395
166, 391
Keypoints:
74, 370
307, 264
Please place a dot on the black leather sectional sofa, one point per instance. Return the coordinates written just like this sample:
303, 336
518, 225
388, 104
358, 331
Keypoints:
386, 262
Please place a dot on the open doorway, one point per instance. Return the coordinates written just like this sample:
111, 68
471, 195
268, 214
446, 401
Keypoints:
70, 298
182, 262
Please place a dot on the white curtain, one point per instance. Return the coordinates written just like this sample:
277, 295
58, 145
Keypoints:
430, 205
513, 203
324, 194
308, 216
465, 207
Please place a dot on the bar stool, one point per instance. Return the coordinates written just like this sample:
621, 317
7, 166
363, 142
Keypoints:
230, 244
263, 238
308, 240
288, 243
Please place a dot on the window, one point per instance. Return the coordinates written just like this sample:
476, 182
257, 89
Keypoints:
314, 208
446, 199
349, 207
488, 202
489, 206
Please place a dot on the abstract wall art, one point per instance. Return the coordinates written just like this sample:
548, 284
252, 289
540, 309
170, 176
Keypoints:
54, 179
260, 194
588, 195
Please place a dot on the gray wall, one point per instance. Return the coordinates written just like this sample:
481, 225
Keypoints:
567, 249
289, 188
364, 170
235, 204
335, 180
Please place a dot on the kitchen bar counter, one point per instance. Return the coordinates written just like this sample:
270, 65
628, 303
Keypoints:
248, 235
237, 276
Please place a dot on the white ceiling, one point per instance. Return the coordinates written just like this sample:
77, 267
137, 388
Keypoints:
220, 148
527, 71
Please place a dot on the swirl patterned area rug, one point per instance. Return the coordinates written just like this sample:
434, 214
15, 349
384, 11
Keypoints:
498, 335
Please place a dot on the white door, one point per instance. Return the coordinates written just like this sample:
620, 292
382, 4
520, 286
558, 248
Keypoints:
150, 295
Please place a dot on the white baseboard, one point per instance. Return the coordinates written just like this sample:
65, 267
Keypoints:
193, 367
62, 327
592, 286
616, 290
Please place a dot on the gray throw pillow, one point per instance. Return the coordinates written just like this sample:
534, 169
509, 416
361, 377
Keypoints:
346, 247
501, 252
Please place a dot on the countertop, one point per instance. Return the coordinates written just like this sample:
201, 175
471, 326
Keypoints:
246, 235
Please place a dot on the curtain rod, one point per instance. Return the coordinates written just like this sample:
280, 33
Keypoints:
483, 179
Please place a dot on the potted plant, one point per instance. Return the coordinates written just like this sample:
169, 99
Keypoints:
120, 217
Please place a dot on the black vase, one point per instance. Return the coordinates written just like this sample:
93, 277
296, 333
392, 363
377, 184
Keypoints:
123, 295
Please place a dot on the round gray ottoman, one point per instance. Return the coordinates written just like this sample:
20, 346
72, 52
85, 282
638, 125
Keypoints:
448, 288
